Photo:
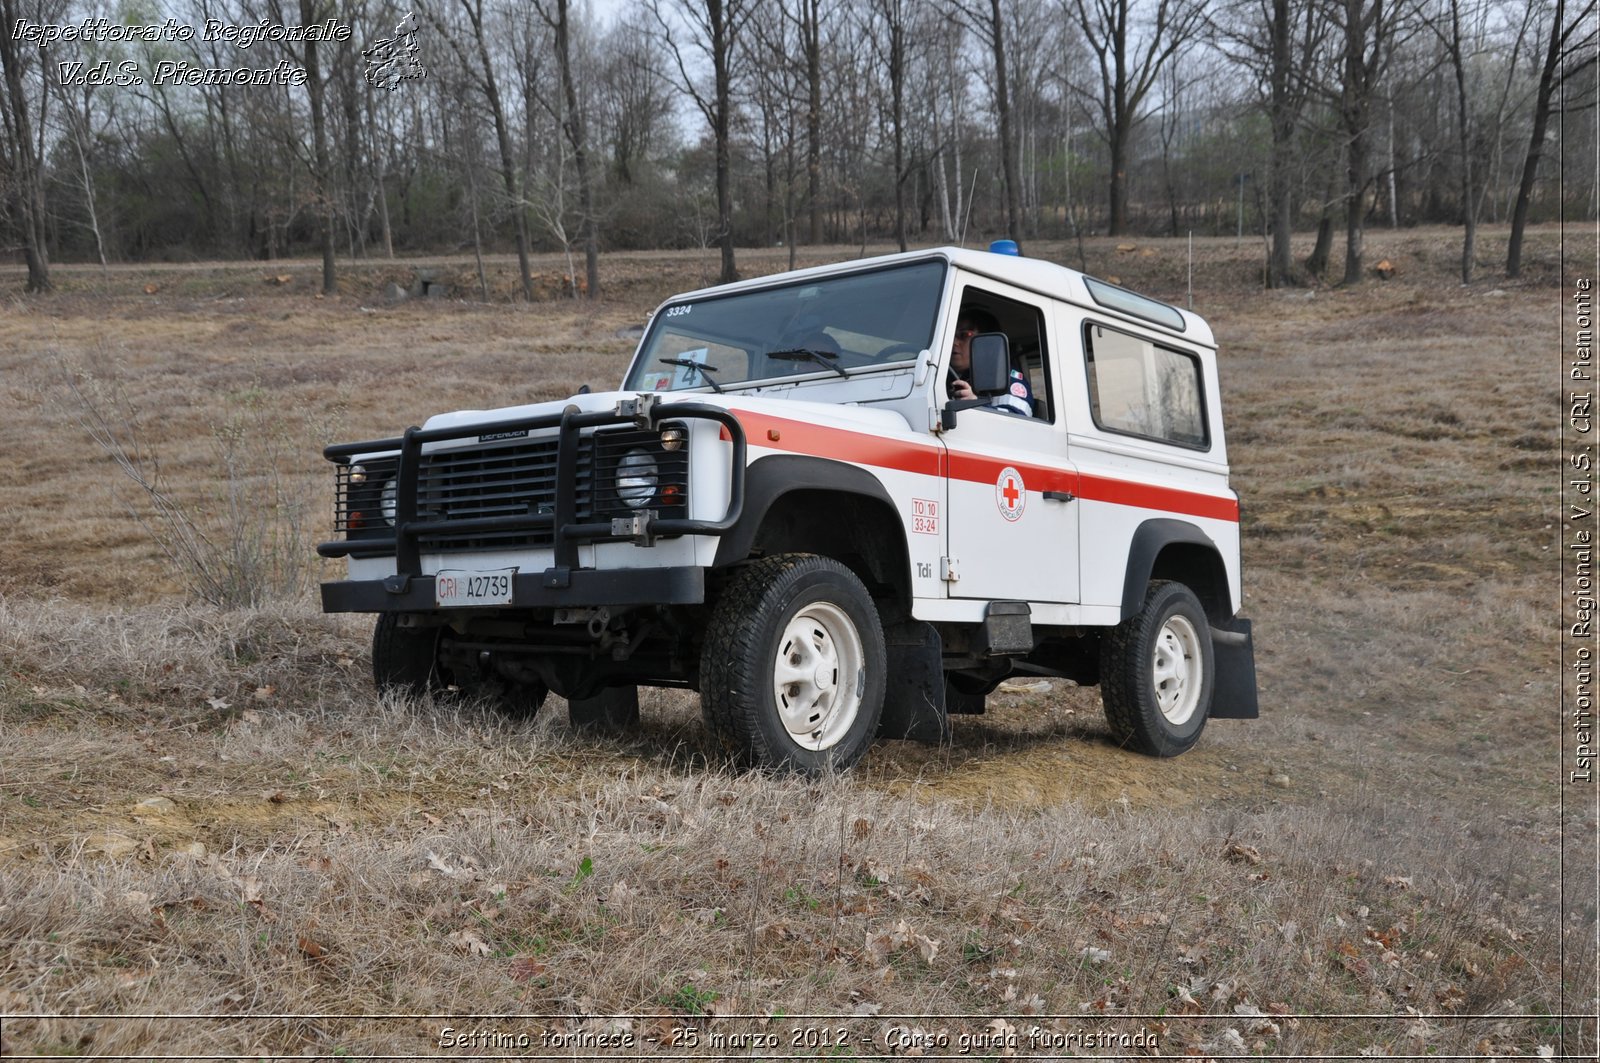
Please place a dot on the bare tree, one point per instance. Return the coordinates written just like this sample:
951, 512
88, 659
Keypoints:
887, 30
714, 29
1451, 37
483, 75
1128, 71
1032, 41
779, 90
312, 12
22, 176
1366, 32
573, 127
808, 17
634, 106
987, 19
1280, 42
78, 116
1568, 37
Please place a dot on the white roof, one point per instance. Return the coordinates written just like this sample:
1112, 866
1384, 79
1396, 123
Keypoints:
1033, 274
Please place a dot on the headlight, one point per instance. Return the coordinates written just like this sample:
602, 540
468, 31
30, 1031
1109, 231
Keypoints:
636, 478
386, 501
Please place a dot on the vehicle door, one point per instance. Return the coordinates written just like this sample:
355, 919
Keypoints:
1011, 516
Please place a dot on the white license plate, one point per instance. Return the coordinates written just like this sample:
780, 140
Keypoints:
455, 588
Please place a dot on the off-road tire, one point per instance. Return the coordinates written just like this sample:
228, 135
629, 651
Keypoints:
515, 701
794, 615
1158, 672
615, 710
406, 659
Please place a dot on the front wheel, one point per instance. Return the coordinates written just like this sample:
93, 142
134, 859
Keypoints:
405, 660
1157, 673
792, 670
422, 661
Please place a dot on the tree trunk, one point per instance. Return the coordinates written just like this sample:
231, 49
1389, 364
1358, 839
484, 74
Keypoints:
350, 99
721, 61
26, 183
508, 158
1118, 192
1317, 261
574, 126
897, 86
811, 38
1363, 28
1279, 185
1469, 213
1002, 100
1541, 123
1354, 215
316, 89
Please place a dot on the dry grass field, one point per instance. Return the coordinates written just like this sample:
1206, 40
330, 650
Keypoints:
208, 812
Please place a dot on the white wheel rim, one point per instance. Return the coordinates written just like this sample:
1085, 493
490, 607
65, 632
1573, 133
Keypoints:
817, 676
1176, 670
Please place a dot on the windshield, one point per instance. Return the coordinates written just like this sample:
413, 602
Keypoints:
836, 325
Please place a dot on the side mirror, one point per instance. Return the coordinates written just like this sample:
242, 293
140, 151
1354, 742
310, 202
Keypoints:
991, 363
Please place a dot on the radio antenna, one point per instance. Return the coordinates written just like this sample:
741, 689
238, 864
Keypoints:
961, 238
1191, 269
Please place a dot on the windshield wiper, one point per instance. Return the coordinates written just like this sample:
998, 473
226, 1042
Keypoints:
806, 354
705, 370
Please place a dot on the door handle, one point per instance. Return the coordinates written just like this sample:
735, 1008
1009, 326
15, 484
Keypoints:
1059, 496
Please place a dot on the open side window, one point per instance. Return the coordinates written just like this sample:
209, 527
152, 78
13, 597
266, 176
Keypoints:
1023, 324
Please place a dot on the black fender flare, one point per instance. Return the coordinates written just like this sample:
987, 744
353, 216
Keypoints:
770, 478
1232, 639
1149, 540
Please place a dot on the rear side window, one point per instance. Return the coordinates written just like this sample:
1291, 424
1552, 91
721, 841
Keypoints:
1140, 388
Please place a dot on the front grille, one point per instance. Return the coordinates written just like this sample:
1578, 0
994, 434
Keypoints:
494, 486
496, 480
514, 478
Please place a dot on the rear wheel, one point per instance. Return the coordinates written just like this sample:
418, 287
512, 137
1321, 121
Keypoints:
792, 671
1157, 673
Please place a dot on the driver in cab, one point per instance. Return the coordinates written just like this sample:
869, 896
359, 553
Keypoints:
1017, 398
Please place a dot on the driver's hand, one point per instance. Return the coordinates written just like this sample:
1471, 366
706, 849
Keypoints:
961, 390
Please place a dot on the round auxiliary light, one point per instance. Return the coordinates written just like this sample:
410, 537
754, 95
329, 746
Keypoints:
674, 438
386, 501
358, 474
636, 478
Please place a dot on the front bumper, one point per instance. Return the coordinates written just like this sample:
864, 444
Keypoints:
564, 583
530, 590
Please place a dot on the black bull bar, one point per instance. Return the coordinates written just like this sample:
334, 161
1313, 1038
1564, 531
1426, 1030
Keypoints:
644, 411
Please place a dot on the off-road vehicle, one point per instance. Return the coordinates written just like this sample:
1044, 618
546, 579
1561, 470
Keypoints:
784, 509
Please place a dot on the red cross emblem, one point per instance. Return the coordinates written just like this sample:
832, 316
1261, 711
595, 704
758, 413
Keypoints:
1010, 495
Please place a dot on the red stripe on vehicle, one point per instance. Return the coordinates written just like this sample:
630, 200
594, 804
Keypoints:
1148, 496
863, 448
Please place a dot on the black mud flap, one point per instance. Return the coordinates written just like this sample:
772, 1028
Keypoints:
1234, 652
913, 698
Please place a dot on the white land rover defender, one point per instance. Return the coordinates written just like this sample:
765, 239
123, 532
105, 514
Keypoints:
785, 509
